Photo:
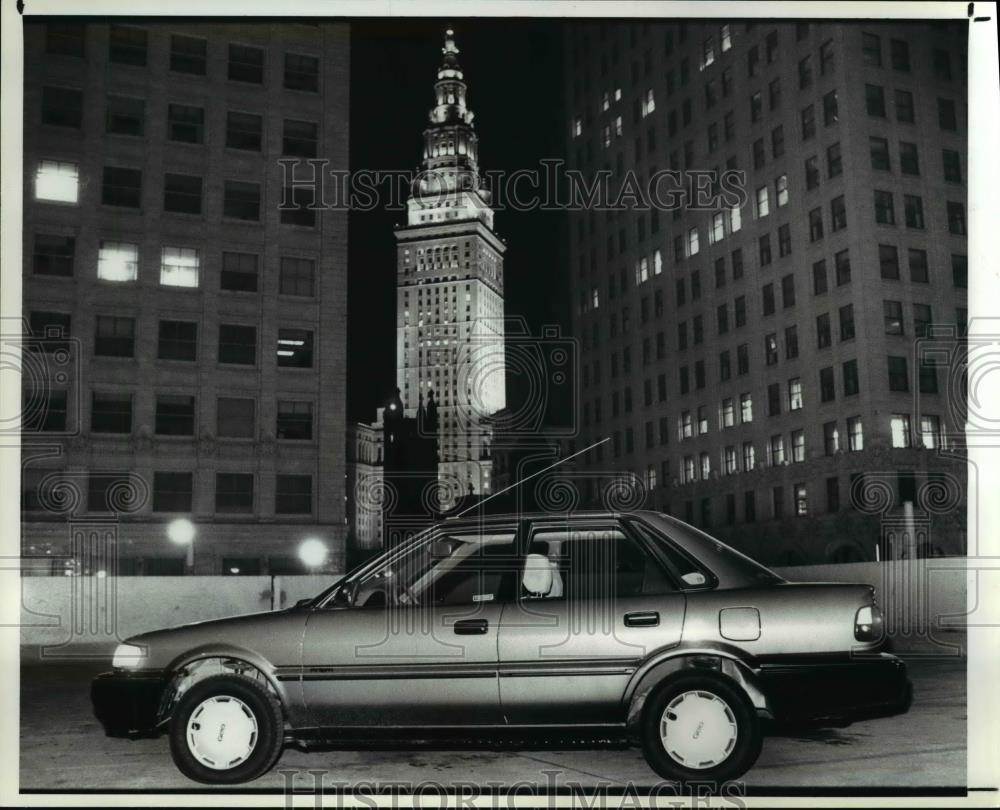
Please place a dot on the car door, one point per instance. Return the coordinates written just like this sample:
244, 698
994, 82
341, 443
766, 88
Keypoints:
593, 604
418, 644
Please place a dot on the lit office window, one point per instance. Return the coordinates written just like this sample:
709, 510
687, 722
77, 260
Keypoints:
899, 425
57, 181
118, 261
179, 267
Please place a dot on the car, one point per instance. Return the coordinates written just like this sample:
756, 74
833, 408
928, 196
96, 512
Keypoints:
515, 630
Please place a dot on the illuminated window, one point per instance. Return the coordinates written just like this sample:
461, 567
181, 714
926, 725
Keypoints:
725, 38
707, 52
728, 413
930, 431
648, 104
295, 348
763, 205
781, 190
718, 231
801, 500
735, 219
794, 394
57, 181
831, 438
798, 446
731, 462
693, 241
118, 261
749, 457
179, 267
899, 425
687, 470
776, 450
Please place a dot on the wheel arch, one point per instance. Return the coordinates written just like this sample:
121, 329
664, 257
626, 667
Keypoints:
197, 664
714, 663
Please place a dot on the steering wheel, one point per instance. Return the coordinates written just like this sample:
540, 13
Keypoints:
406, 596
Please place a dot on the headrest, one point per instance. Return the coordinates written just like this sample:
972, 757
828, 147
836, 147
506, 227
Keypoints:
537, 578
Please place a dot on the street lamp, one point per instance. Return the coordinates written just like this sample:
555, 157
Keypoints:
313, 553
181, 532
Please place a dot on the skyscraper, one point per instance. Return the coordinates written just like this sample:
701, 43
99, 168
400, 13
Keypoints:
204, 328
760, 365
449, 297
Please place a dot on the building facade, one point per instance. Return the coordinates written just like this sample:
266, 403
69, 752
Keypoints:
764, 363
449, 299
186, 349
364, 489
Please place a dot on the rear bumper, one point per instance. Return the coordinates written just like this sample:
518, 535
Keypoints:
127, 705
836, 691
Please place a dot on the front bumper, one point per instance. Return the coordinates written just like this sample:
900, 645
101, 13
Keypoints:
127, 704
836, 691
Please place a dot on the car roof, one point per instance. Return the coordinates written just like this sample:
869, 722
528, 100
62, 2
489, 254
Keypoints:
510, 517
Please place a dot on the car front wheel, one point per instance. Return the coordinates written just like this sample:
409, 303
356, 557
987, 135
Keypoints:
226, 729
700, 729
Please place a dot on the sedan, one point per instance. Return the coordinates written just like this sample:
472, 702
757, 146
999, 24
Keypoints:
518, 629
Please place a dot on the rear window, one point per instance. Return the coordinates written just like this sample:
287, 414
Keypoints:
733, 569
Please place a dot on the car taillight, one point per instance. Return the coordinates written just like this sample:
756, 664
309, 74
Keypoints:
868, 623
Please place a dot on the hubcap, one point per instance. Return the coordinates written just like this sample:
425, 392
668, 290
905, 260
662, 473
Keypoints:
222, 732
698, 729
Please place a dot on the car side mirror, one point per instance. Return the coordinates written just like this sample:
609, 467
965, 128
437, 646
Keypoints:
694, 578
302, 602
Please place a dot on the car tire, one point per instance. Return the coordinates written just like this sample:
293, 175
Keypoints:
716, 736
201, 748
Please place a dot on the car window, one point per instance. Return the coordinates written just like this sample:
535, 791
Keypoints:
449, 568
689, 572
732, 568
591, 563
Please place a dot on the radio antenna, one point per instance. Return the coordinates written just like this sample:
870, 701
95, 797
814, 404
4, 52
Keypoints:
534, 475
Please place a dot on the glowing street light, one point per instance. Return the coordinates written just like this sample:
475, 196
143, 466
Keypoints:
181, 532
313, 552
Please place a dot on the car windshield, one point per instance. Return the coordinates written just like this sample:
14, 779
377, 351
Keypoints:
438, 567
732, 568
379, 562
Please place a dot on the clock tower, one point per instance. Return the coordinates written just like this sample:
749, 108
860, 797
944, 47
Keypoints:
449, 291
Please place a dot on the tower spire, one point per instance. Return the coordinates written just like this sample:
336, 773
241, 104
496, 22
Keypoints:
450, 162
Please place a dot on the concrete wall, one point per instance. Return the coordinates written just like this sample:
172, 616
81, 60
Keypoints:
924, 602
92, 611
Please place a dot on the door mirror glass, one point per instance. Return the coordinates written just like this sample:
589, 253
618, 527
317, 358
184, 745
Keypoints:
694, 578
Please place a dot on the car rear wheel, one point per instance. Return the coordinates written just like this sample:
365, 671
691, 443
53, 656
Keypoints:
226, 729
700, 729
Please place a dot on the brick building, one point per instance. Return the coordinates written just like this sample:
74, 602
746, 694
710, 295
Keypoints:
750, 361
205, 328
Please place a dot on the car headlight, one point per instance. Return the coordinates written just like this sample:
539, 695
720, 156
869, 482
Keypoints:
128, 656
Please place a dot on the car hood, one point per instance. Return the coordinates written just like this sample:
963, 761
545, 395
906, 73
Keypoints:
272, 637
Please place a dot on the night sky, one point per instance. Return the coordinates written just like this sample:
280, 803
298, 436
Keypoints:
513, 69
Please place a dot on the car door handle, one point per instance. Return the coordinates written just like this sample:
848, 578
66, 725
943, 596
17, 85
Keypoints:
471, 627
648, 618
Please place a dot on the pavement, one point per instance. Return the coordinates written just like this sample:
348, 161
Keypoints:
63, 748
